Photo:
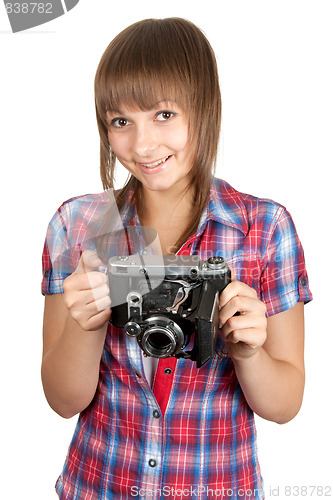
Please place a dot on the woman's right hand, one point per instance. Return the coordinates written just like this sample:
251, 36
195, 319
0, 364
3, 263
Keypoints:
86, 293
71, 352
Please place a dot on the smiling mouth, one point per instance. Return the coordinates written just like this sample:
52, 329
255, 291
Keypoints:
156, 163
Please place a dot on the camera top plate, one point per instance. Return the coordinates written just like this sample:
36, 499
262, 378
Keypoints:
167, 266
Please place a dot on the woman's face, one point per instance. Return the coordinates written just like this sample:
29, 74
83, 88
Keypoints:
152, 145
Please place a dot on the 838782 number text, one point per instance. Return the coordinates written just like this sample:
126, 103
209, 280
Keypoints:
29, 8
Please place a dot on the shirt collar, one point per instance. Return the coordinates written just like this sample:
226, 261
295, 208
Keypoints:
128, 213
226, 206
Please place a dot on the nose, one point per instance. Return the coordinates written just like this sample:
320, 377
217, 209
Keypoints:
145, 140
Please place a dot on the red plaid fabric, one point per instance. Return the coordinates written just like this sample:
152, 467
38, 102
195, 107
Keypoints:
192, 435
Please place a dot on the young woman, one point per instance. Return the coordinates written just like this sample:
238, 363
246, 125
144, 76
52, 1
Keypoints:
159, 428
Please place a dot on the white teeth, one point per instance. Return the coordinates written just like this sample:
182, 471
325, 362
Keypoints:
151, 165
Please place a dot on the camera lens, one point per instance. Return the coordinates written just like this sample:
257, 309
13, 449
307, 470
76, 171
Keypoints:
158, 340
162, 338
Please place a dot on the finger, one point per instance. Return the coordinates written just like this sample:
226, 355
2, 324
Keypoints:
237, 304
85, 281
252, 337
97, 279
94, 321
103, 303
233, 277
236, 288
241, 322
100, 297
99, 292
88, 262
98, 320
84, 305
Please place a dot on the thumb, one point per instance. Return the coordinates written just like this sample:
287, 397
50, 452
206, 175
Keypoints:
88, 262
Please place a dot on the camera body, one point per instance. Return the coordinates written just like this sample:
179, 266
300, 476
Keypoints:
164, 300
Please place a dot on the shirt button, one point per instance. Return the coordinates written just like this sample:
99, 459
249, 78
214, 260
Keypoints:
156, 414
303, 281
168, 371
152, 462
46, 274
138, 374
189, 245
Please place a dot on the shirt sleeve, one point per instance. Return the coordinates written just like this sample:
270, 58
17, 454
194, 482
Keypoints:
284, 280
57, 261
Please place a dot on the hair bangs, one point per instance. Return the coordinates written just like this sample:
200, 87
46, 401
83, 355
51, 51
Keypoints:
143, 92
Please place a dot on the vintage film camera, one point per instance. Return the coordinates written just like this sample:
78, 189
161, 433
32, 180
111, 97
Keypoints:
163, 300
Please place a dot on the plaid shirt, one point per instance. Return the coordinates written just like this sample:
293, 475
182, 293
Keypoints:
192, 435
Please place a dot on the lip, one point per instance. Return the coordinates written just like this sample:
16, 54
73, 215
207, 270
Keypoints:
154, 170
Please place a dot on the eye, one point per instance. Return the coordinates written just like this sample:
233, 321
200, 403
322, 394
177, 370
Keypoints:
119, 122
163, 116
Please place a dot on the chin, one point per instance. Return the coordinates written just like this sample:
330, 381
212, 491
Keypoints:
158, 184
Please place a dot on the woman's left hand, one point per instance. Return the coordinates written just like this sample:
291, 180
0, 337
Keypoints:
242, 317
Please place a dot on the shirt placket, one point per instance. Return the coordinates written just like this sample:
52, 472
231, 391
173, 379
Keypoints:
153, 450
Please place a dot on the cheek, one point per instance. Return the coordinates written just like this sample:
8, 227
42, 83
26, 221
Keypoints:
178, 139
118, 144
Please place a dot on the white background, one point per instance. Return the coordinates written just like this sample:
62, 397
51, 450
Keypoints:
275, 61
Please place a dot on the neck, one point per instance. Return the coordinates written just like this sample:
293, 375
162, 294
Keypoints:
166, 207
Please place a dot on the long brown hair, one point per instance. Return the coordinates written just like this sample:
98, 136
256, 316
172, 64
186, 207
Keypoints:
158, 60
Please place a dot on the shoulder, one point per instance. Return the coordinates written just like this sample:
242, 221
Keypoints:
74, 227
80, 211
226, 194
261, 244
245, 209
82, 205
79, 221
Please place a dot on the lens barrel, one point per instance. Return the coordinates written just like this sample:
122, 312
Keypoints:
162, 338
